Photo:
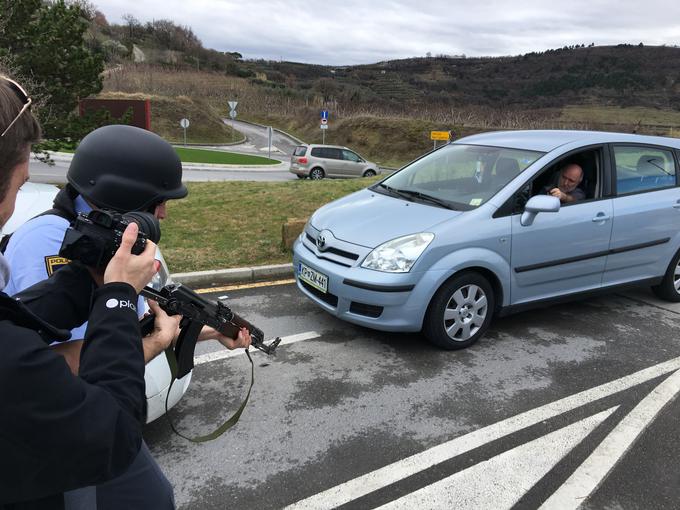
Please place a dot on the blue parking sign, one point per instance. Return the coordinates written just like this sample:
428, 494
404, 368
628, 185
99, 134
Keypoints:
324, 114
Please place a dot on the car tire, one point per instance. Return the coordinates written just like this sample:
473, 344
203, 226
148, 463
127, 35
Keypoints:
460, 311
316, 174
669, 288
369, 173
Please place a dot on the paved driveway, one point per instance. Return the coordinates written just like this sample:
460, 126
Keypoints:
569, 405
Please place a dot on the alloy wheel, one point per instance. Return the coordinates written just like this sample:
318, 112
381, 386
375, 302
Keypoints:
465, 312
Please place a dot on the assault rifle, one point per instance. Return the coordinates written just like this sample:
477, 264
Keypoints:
197, 311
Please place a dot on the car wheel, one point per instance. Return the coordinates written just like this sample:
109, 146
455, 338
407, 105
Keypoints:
669, 288
316, 174
460, 311
369, 173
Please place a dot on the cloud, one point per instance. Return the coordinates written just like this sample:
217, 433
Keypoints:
357, 32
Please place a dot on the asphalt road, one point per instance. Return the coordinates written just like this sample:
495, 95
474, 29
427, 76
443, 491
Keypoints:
571, 405
256, 144
257, 140
40, 172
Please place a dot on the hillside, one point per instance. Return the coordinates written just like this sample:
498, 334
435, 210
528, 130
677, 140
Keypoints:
622, 75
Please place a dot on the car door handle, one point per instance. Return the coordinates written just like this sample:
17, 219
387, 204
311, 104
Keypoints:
600, 217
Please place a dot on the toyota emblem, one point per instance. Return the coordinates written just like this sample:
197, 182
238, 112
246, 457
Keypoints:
321, 240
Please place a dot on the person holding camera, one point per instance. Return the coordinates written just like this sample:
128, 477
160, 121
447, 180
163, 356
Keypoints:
123, 169
60, 431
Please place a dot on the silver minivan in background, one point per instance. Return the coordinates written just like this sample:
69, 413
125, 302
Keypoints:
319, 161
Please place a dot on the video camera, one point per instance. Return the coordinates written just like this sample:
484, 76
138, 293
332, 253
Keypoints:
93, 238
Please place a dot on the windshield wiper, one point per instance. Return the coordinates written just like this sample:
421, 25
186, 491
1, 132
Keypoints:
395, 191
426, 197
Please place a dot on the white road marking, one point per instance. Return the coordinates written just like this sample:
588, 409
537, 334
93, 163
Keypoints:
224, 353
382, 477
597, 466
513, 472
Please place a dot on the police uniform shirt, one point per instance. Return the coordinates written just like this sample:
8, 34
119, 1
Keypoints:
33, 254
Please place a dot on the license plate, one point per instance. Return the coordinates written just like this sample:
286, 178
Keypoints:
314, 278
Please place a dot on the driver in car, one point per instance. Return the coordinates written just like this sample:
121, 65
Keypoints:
566, 188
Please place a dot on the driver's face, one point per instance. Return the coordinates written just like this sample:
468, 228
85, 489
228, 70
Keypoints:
570, 178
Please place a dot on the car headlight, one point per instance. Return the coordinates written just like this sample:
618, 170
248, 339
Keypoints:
398, 255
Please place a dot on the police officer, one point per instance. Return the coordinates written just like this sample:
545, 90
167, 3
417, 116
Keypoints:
58, 431
122, 168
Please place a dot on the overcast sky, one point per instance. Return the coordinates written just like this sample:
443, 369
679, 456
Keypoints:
363, 31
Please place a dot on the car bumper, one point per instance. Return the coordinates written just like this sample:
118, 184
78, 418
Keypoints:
299, 170
382, 301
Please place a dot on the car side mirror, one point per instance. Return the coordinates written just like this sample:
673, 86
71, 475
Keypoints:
537, 204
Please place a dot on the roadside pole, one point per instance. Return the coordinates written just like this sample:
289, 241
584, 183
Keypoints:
270, 134
232, 114
324, 125
184, 123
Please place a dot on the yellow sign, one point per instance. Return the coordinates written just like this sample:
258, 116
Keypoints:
439, 135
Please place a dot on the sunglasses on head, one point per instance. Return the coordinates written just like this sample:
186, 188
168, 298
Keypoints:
23, 97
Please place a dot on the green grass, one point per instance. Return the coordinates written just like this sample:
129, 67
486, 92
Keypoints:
221, 157
236, 224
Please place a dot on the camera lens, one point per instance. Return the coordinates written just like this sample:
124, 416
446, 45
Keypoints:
148, 224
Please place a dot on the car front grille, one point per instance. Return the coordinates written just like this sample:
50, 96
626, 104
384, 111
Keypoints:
331, 253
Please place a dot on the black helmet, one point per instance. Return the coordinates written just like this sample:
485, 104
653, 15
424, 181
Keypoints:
126, 168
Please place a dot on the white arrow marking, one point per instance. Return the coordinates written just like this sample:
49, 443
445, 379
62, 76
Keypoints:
224, 353
507, 476
595, 468
358, 487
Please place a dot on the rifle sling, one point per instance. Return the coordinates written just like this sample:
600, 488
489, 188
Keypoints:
172, 361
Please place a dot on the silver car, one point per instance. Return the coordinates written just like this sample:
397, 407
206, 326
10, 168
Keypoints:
475, 229
319, 161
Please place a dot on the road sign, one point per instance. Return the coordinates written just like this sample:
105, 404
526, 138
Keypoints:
232, 104
184, 123
232, 114
324, 121
439, 135
324, 126
324, 115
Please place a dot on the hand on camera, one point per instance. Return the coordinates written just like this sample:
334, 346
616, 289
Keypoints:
137, 270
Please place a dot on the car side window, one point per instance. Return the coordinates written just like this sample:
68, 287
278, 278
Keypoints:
641, 169
350, 156
318, 152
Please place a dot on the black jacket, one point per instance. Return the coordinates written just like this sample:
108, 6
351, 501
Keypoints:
59, 432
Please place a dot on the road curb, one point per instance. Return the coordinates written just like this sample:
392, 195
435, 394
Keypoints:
238, 275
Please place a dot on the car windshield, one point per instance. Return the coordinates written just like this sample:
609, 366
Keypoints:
458, 176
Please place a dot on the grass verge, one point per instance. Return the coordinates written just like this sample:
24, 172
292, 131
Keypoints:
238, 224
221, 157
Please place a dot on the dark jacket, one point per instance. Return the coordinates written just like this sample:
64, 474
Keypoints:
57, 431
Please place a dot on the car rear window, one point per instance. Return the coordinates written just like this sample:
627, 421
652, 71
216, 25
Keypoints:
300, 150
326, 152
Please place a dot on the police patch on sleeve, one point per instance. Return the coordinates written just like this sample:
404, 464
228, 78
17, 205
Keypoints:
54, 262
